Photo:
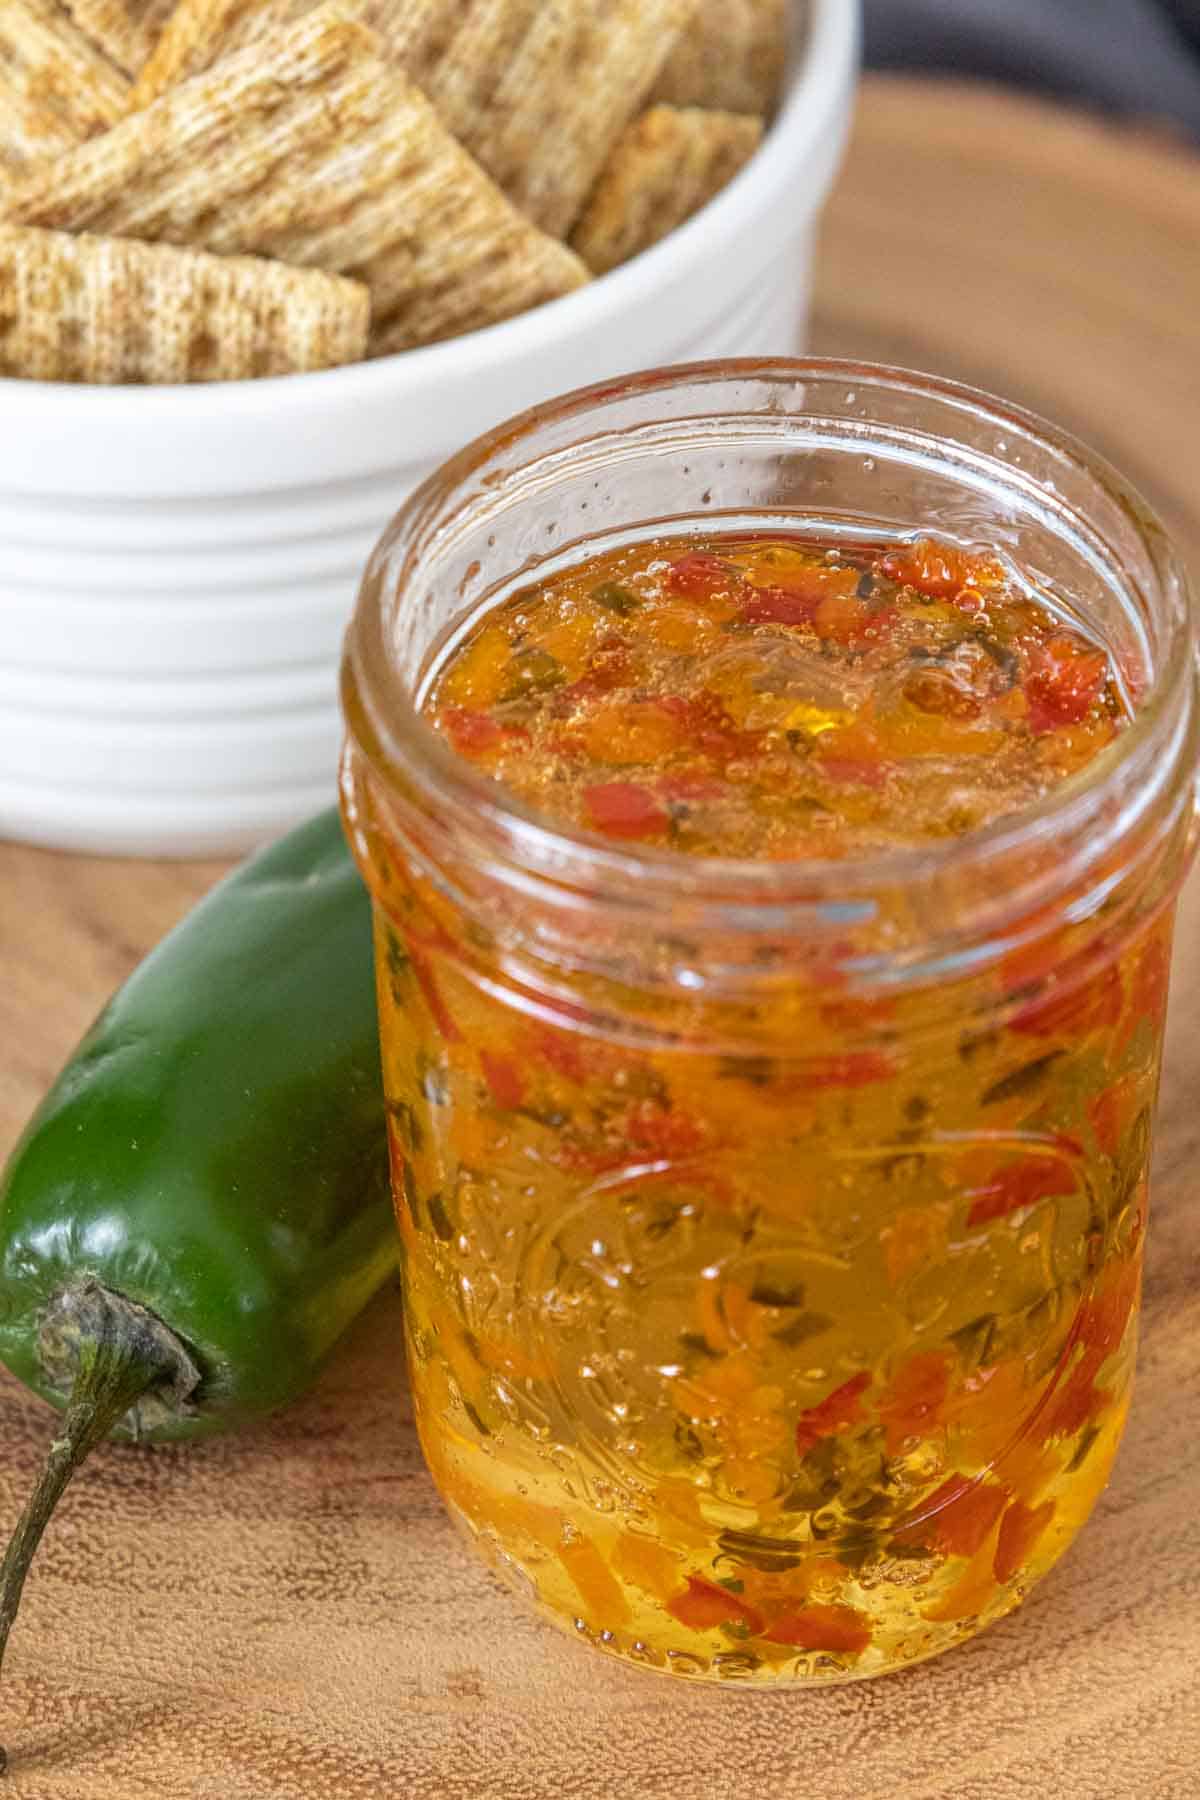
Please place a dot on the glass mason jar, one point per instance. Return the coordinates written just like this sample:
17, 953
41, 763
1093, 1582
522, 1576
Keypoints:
772, 1231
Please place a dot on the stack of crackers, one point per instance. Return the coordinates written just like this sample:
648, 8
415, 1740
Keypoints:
197, 190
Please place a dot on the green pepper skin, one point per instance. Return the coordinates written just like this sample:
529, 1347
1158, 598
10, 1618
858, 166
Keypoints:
215, 1149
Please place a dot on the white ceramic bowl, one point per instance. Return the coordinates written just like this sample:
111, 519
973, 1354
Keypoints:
178, 563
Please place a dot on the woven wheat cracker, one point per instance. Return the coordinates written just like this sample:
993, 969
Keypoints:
56, 88
732, 57
665, 167
169, 171
107, 310
199, 33
539, 93
307, 148
441, 249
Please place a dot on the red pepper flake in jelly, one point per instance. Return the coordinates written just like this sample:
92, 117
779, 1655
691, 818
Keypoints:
962, 1515
706, 1605
504, 1078
1021, 1184
837, 1412
472, 733
1065, 681
1075, 1008
658, 1132
700, 575
942, 571
1020, 1529
625, 809
1112, 1112
779, 606
911, 1406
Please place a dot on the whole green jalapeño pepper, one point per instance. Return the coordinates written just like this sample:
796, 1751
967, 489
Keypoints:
200, 1206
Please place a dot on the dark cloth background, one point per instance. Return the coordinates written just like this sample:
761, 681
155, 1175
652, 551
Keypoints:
1137, 57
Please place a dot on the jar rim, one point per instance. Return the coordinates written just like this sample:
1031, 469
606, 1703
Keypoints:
737, 888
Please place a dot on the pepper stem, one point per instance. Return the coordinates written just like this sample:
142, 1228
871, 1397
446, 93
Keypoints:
120, 1355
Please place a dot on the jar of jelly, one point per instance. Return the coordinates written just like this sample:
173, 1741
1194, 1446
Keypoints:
774, 781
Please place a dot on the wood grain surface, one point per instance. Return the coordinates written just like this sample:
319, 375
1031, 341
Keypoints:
287, 1615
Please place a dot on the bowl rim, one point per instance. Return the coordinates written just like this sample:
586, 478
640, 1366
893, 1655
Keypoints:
767, 182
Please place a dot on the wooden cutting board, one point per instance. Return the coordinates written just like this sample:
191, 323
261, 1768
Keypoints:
287, 1615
